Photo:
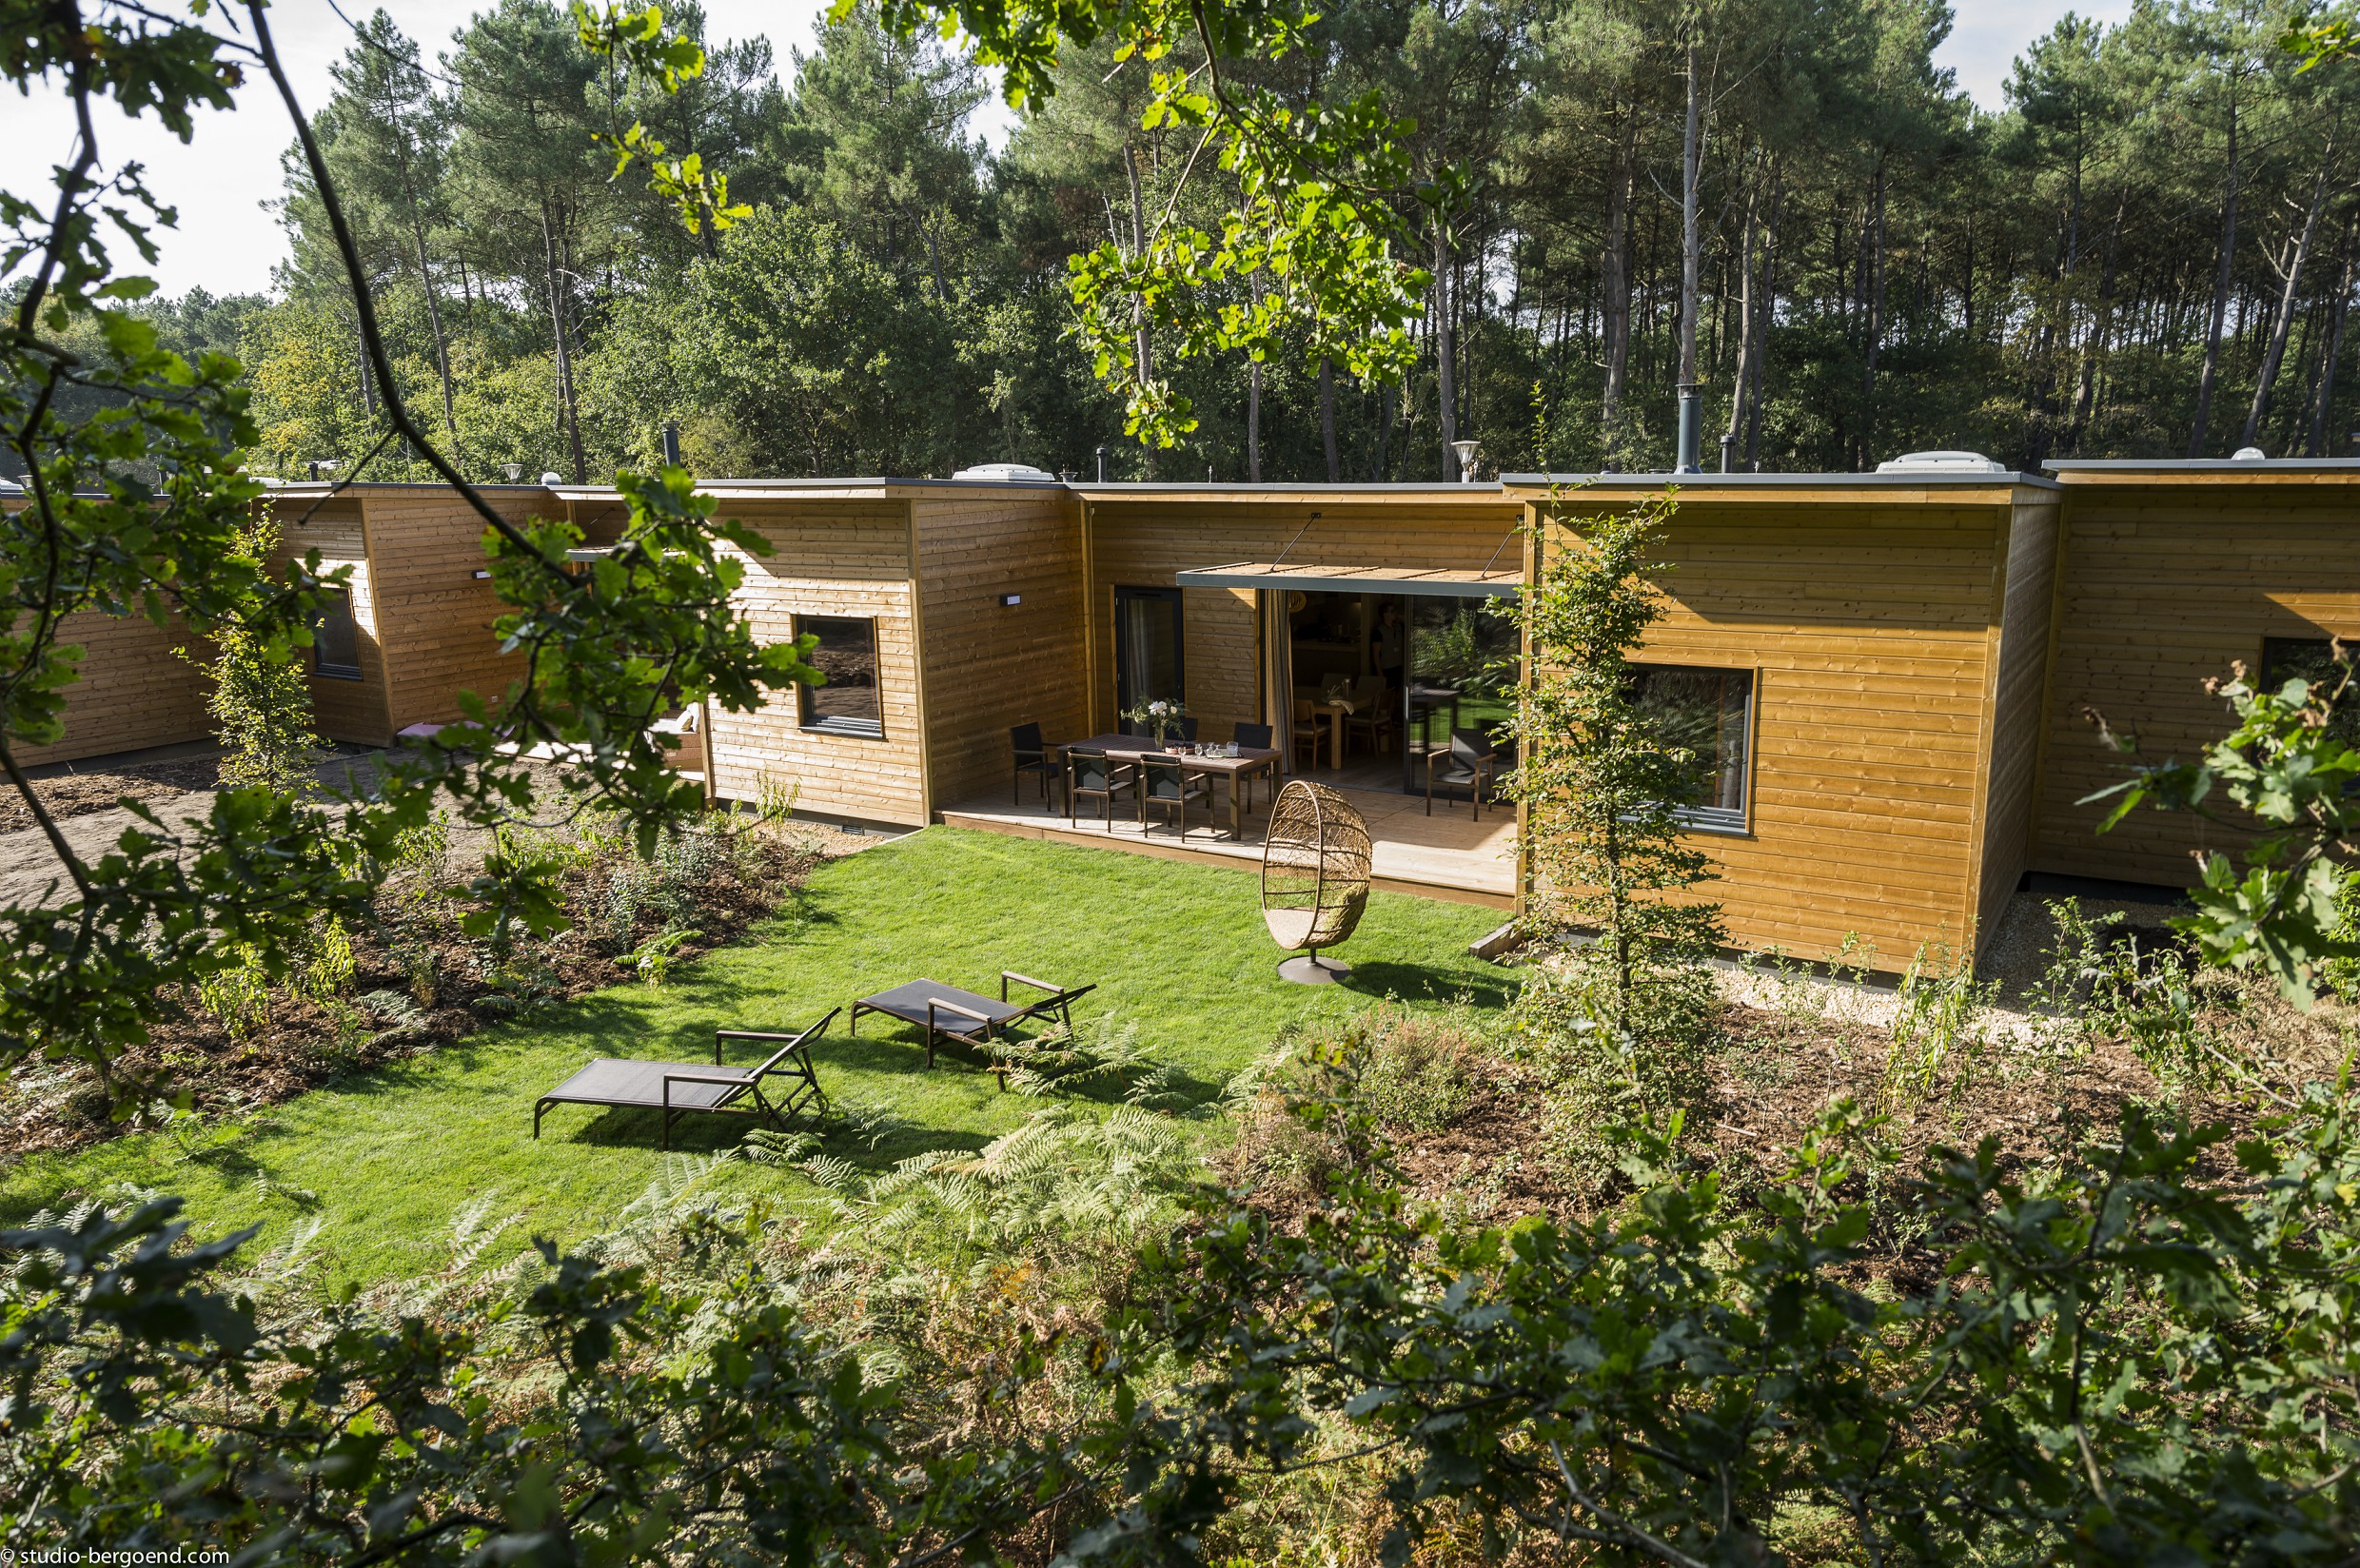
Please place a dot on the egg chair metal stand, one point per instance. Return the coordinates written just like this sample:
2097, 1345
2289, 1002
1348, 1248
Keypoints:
1314, 877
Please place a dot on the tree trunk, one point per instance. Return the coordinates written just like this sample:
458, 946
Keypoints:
2220, 298
1769, 309
1872, 302
1445, 390
1691, 246
369, 385
1328, 419
568, 414
2275, 355
2322, 402
2101, 328
1740, 384
441, 343
1615, 312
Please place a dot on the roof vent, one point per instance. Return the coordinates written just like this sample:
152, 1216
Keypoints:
551, 478
2246, 453
1007, 473
1941, 462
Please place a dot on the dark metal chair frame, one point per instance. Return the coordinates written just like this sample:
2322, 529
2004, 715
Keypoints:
945, 1019
1471, 766
1257, 736
1192, 786
626, 1081
1031, 756
1119, 778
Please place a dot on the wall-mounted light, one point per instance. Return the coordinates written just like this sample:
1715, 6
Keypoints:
1009, 601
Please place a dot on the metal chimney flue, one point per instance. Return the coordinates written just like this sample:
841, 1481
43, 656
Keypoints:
1102, 458
1691, 431
671, 444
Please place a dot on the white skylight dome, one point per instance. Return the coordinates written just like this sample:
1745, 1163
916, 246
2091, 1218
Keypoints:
1941, 462
1007, 473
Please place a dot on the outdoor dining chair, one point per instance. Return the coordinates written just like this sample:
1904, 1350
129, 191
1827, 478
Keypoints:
1254, 737
1166, 783
1031, 755
1090, 772
1466, 764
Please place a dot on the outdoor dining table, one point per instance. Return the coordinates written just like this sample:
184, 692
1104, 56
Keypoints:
1249, 759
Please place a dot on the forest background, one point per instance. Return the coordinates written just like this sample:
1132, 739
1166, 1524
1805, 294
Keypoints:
2150, 252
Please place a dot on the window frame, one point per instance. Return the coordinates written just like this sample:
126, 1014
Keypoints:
321, 667
1725, 821
838, 724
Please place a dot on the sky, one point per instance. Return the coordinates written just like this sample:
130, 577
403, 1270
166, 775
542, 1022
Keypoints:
228, 244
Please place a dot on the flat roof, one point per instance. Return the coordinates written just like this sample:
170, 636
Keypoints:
2221, 467
1914, 478
1488, 492
1453, 582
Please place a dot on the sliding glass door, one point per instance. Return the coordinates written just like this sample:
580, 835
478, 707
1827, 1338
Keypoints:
1462, 661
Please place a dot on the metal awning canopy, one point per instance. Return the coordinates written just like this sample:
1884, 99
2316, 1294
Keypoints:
1438, 582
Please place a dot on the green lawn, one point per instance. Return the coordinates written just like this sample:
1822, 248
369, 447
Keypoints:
391, 1156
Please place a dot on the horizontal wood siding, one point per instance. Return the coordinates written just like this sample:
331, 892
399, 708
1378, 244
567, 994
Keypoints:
832, 558
988, 666
1868, 620
2166, 584
1144, 542
2017, 686
354, 710
131, 691
433, 618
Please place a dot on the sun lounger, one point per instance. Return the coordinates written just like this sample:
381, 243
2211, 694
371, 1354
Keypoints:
677, 1088
949, 1013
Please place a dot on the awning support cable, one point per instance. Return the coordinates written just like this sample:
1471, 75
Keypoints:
1299, 533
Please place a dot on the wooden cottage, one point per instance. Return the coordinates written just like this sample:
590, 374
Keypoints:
1865, 654
1889, 672
2173, 572
415, 628
946, 611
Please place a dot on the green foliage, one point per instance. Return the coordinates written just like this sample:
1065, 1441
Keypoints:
2288, 766
1601, 786
140, 505
259, 696
1938, 1030
2121, 1362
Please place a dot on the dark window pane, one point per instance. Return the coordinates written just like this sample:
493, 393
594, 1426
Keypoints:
1147, 647
849, 703
1703, 712
335, 639
2310, 660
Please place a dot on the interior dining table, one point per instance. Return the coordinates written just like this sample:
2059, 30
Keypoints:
1249, 760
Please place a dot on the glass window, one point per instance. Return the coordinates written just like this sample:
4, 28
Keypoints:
2310, 660
336, 638
1706, 713
1147, 664
849, 703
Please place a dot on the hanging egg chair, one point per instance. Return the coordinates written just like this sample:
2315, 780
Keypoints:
1314, 877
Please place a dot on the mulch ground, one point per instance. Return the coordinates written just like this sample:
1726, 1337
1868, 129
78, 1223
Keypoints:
300, 1045
1771, 1083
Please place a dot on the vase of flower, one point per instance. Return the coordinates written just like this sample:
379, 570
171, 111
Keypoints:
1159, 719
